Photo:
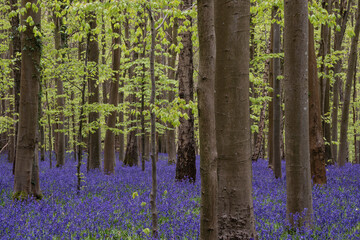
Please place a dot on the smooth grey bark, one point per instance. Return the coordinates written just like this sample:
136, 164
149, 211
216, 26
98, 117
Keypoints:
297, 153
348, 85
232, 119
206, 106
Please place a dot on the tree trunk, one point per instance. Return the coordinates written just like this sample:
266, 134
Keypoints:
154, 215
325, 81
93, 77
185, 165
297, 153
206, 87
131, 153
276, 97
232, 117
171, 134
349, 79
26, 169
109, 147
317, 145
270, 106
339, 36
60, 100
16, 70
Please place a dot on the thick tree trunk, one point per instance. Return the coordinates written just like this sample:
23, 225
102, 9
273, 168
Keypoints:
297, 153
206, 106
276, 97
317, 145
93, 77
349, 79
185, 165
109, 146
26, 169
232, 116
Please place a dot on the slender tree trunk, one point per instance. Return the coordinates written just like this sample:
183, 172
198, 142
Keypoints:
16, 69
339, 36
232, 116
258, 149
317, 145
276, 97
60, 100
41, 127
355, 119
325, 81
271, 104
153, 194
26, 169
109, 148
185, 165
131, 153
93, 76
206, 106
171, 134
349, 79
298, 179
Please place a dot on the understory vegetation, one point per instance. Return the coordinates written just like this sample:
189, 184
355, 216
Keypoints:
117, 206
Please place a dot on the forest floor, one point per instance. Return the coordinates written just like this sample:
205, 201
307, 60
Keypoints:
117, 207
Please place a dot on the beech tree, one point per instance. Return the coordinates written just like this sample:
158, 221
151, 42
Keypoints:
232, 119
348, 85
93, 76
208, 154
185, 166
298, 181
26, 165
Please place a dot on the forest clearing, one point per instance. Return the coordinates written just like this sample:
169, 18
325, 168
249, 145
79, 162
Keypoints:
179, 119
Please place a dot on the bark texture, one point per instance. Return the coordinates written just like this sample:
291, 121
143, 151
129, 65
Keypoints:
206, 106
232, 118
26, 168
317, 145
94, 95
343, 7
349, 79
185, 165
297, 153
60, 100
109, 145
